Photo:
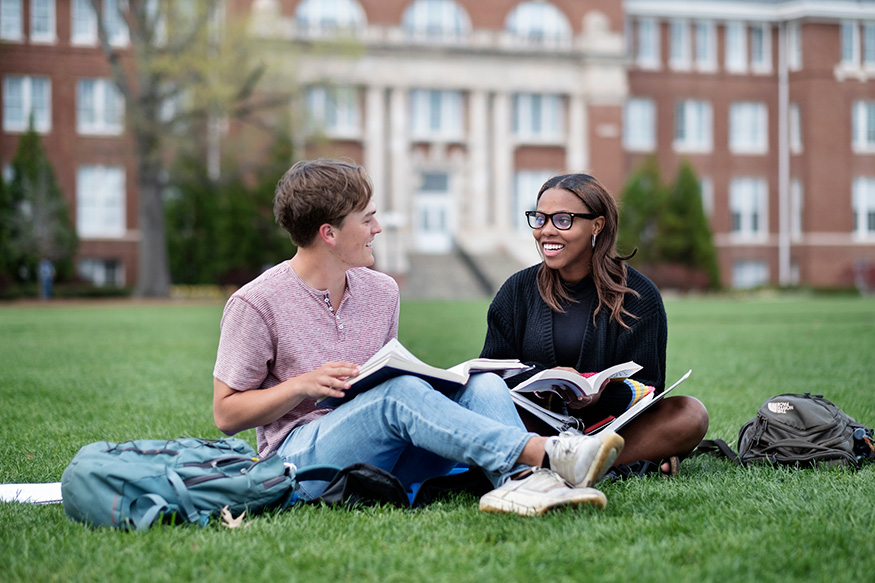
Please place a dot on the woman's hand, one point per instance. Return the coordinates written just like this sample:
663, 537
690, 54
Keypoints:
578, 402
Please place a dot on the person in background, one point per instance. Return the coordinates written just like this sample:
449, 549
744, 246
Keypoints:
46, 274
583, 309
300, 331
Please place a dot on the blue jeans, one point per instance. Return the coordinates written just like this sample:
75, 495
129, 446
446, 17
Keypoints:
406, 427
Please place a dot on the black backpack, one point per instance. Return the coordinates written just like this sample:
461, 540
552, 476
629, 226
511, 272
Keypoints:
794, 429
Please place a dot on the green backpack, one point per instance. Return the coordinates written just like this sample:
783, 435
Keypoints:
132, 484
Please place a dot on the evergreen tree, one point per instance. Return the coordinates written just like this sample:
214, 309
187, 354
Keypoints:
685, 235
668, 226
640, 211
35, 219
225, 232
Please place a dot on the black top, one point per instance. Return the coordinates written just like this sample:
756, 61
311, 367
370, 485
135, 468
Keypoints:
569, 328
521, 325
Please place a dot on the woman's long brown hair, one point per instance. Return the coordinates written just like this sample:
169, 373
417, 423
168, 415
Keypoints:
608, 270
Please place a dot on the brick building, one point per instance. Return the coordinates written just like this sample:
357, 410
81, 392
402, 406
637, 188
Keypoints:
773, 103
460, 109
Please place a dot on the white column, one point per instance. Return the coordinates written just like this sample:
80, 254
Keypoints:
478, 162
577, 141
502, 162
783, 160
399, 174
375, 144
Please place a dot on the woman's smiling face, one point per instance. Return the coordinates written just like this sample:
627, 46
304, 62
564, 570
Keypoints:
569, 251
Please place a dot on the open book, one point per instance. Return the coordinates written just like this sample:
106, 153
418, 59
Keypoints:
561, 422
394, 360
575, 383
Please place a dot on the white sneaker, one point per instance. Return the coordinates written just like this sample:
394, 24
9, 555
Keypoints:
537, 493
583, 459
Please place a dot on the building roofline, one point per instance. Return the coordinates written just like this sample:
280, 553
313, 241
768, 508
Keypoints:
750, 10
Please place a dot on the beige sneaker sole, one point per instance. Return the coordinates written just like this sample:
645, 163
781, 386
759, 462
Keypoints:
612, 445
504, 505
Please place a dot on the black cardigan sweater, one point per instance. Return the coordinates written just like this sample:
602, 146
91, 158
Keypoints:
520, 325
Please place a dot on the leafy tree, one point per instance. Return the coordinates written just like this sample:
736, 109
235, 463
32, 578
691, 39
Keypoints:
34, 220
186, 67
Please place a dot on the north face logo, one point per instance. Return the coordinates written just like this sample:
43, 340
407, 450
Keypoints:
780, 407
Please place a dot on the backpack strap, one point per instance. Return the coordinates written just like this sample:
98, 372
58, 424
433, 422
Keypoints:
324, 473
143, 515
717, 448
182, 494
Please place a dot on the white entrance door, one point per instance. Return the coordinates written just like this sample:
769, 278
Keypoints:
434, 214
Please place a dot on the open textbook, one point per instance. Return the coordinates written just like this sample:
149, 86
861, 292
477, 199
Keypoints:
575, 383
394, 359
561, 422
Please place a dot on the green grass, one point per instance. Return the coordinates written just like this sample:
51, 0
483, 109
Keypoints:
70, 375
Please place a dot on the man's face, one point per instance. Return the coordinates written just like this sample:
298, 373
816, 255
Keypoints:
355, 236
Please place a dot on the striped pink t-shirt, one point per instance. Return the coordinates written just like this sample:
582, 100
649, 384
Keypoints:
276, 327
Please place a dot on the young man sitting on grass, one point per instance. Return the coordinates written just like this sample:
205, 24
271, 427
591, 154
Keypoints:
299, 332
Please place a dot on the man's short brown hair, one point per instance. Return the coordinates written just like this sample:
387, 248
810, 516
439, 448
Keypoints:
317, 192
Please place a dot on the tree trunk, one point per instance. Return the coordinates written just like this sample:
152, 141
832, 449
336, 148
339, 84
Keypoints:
153, 273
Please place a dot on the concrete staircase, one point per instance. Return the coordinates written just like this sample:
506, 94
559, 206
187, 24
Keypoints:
456, 275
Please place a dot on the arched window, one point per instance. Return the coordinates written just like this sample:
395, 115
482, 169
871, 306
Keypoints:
539, 23
329, 15
436, 19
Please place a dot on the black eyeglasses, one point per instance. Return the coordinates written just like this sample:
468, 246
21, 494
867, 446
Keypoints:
561, 221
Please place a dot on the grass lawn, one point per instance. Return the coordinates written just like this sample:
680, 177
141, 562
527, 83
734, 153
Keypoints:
73, 374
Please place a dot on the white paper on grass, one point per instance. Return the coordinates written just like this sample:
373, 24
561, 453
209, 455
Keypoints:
48, 493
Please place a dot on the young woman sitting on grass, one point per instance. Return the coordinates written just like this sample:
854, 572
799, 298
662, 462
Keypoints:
583, 309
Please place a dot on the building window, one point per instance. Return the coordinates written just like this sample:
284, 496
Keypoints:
706, 187
748, 206
796, 203
539, 24
706, 46
11, 20
869, 45
736, 47
114, 23
795, 128
794, 46
334, 111
850, 44
749, 274
329, 15
648, 44
526, 185
761, 48
748, 128
102, 272
692, 126
436, 114
639, 125
42, 21
436, 20
100, 108
864, 207
24, 97
863, 126
100, 202
537, 117
679, 57
84, 23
